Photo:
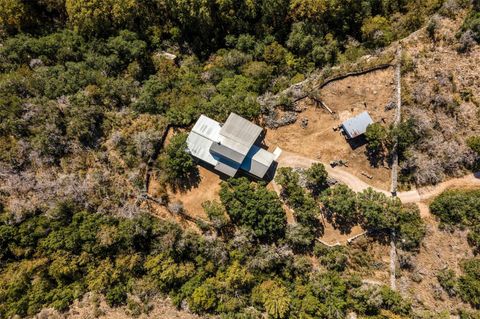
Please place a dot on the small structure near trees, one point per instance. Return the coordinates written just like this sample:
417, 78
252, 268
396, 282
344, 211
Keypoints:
357, 125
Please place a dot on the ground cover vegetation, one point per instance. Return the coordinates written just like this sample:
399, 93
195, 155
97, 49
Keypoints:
86, 95
461, 209
50, 259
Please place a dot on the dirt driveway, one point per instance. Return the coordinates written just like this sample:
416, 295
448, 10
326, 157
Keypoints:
288, 159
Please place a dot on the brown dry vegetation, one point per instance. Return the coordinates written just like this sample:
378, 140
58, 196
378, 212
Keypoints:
442, 94
439, 250
93, 306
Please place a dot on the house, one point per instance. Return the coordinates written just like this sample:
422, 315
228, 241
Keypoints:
231, 146
357, 125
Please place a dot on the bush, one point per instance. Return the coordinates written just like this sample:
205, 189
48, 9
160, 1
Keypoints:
448, 280
469, 283
474, 143
377, 31
472, 23
376, 136
341, 206
316, 176
333, 258
457, 207
116, 296
410, 228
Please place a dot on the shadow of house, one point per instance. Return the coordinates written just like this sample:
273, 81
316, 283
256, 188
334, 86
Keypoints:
357, 142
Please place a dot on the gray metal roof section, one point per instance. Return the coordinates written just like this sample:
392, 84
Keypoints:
258, 161
357, 125
226, 150
226, 169
241, 131
199, 147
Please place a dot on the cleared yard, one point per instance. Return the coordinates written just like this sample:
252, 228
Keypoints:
318, 140
347, 98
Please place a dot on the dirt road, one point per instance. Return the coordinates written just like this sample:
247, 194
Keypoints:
288, 159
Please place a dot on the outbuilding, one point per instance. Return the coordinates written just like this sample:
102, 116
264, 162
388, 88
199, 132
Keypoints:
357, 125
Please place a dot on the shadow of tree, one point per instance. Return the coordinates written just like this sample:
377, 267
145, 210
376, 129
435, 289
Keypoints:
381, 236
344, 225
357, 142
375, 158
192, 180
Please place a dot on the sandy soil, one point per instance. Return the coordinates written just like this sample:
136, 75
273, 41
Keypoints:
193, 198
346, 98
334, 236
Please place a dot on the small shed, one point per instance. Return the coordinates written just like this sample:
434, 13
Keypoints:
357, 125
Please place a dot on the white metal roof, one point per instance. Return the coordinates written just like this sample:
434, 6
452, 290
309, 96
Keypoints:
357, 125
199, 147
229, 147
208, 128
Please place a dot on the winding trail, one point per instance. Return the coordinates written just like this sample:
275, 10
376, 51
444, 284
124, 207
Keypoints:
288, 159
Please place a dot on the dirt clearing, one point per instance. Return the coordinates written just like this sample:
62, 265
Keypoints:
193, 198
348, 97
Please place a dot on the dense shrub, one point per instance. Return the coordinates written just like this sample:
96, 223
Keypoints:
377, 213
252, 205
459, 208
469, 283
179, 165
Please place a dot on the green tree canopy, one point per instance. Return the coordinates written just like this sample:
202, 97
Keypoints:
180, 168
376, 136
316, 176
252, 205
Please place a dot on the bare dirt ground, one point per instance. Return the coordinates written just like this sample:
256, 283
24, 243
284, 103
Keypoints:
347, 98
193, 198
334, 236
